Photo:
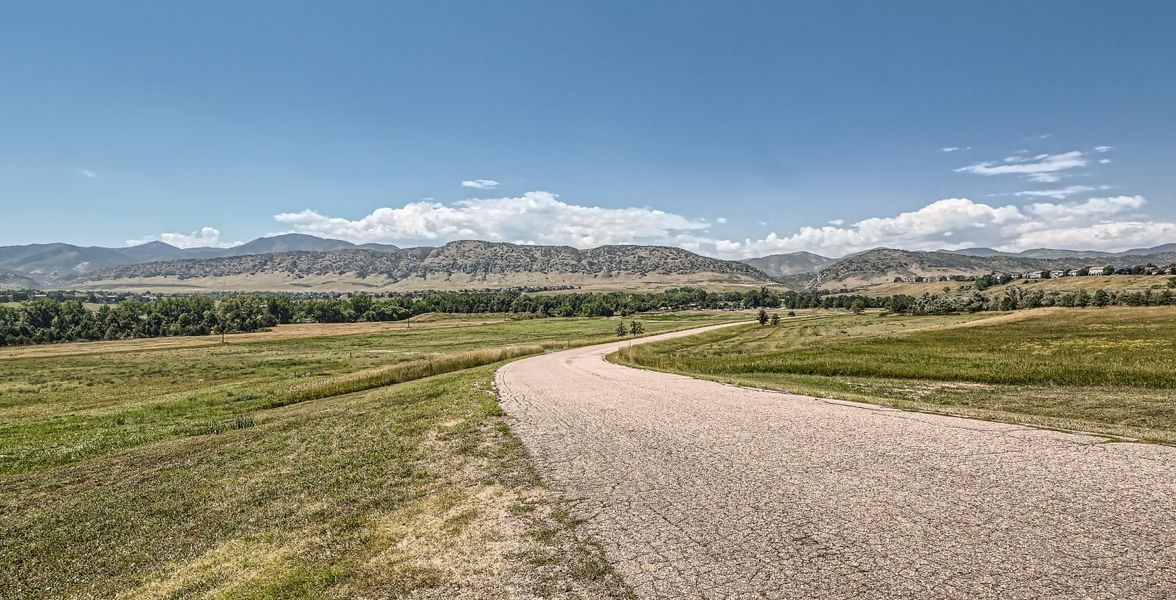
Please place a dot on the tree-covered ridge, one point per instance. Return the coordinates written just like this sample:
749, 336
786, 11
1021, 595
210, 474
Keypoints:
464, 257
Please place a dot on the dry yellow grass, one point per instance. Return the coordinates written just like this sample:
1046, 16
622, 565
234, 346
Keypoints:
281, 332
1064, 284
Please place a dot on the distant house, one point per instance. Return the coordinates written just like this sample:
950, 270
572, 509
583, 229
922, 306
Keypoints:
1072, 273
1056, 274
1095, 271
1035, 275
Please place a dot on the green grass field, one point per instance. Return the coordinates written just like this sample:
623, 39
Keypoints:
1111, 371
372, 465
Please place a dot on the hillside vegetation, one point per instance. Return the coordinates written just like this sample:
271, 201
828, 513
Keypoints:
882, 265
472, 263
1109, 370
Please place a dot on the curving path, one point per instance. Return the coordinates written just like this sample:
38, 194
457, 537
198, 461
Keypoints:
701, 490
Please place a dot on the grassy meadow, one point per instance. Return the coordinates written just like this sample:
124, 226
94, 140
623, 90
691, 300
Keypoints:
1115, 283
1110, 370
360, 465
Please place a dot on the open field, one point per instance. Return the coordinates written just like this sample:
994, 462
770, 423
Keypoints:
337, 466
279, 332
1111, 371
1117, 283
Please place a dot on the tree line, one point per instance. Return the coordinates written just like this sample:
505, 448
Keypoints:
48, 320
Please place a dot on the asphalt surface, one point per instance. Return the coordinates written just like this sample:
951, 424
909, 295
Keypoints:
701, 490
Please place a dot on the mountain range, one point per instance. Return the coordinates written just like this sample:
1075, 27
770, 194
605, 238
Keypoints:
462, 265
302, 262
59, 263
1059, 253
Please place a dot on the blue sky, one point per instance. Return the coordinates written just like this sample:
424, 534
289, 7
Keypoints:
733, 129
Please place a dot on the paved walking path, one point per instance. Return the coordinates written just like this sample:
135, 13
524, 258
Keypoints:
697, 489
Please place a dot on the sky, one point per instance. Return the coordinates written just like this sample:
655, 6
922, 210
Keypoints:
730, 129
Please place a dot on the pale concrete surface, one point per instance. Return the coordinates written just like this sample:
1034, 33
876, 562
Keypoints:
701, 490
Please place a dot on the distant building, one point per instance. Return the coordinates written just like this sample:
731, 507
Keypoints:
1035, 275
1056, 274
1096, 271
1072, 273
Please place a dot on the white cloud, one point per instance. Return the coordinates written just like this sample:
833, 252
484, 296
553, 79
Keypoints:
721, 220
1056, 194
955, 148
1046, 168
201, 238
480, 184
1111, 223
1104, 161
86, 173
534, 217
1101, 149
1100, 223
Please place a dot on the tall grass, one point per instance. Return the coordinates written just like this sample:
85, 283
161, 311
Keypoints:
400, 373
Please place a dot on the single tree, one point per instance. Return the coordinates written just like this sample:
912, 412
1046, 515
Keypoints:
636, 328
857, 306
762, 317
775, 319
621, 331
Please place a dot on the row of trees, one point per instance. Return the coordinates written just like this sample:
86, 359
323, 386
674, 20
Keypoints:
48, 320
1015, 298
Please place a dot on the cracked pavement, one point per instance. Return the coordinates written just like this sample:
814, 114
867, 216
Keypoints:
697, 489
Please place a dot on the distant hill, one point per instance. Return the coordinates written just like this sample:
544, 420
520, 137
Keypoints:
1063, 253
465, 264
290, 242
54, 264
782, 265
882, 265
15, 281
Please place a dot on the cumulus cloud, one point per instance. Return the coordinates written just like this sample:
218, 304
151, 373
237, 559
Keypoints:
721, 220
88, 174
534, 217
1101, 223
480, 184
205, 237
1058, 193
1110, 223
1047, 168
